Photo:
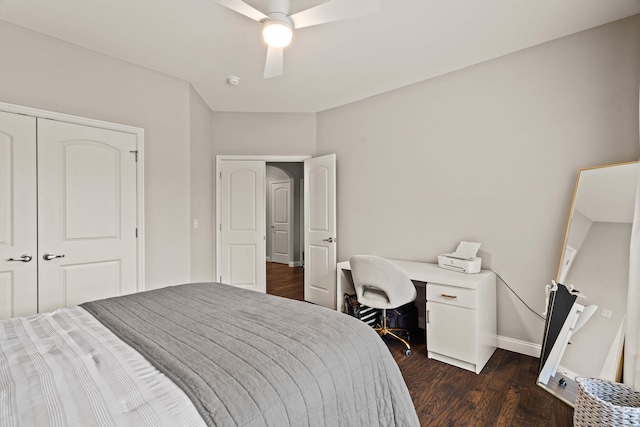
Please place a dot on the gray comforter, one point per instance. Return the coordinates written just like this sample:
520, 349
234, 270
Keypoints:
250, 359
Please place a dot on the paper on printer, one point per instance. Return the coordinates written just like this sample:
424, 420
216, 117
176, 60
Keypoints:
464, 259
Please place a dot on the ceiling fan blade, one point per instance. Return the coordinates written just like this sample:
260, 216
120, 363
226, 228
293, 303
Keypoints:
274, 64
334, 10
244, 9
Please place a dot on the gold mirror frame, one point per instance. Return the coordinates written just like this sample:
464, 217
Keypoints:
573, 206
599, 187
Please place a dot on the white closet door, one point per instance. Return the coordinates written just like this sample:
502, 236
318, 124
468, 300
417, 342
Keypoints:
18, 224
242, 233
86, 214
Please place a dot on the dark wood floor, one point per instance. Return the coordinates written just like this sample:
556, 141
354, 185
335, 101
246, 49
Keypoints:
503, 394
285, 281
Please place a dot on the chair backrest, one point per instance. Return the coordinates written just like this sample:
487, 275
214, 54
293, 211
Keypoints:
379, 283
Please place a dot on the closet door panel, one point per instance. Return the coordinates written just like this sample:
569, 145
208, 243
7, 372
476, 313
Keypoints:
87, 220
18, 279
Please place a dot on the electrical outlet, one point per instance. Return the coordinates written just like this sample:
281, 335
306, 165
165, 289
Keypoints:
195, 223
606, 313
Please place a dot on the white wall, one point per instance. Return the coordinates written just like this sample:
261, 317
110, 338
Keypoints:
42, 72
489, 154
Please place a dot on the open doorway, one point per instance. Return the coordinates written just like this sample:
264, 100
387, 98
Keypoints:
285, 233
241, 231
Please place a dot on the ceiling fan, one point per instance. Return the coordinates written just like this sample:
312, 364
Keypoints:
278, 24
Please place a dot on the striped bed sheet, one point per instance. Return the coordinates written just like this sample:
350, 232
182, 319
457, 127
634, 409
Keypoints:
66, 369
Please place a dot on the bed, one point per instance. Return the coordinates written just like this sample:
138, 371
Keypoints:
203, 354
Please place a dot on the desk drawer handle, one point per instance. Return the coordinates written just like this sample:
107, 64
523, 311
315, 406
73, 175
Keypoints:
449, 296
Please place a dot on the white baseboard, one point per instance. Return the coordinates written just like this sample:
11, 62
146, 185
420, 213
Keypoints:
519, 346
295, 264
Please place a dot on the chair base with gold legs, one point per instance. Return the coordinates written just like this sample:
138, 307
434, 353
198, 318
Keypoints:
380, 284
385, 330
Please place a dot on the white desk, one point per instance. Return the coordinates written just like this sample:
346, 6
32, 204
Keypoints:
460, 311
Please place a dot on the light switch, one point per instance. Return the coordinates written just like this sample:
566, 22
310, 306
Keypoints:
195, 223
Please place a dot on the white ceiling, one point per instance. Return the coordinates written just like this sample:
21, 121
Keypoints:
328, 65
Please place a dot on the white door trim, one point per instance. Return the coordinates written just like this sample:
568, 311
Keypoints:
301, 230
219, 159
139, 134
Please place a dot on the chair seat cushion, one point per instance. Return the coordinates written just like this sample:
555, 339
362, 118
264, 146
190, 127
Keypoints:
375, 298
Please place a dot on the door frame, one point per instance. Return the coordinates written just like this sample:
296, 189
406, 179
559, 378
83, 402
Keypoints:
139, 135
223, 157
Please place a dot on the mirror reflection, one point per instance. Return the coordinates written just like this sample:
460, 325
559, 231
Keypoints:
594, 264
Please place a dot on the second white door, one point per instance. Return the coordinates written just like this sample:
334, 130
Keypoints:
280, 196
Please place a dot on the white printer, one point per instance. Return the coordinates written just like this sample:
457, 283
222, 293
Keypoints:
464, 258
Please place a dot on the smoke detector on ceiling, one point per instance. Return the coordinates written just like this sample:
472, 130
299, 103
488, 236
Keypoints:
234, 81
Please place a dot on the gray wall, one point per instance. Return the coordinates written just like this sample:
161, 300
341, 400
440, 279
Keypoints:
202, 179
264, 133
580, 226
42, 72
489, 154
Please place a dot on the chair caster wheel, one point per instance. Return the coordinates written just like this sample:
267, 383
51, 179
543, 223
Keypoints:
562, 382
408, 352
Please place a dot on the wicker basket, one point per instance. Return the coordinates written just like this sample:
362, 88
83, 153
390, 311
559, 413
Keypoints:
606, 403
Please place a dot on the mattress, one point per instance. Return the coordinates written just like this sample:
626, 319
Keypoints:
198, 354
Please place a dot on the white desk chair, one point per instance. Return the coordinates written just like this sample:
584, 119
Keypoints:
382, 285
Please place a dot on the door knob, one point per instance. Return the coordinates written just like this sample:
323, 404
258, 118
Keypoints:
330, 239
49, 256
23, 258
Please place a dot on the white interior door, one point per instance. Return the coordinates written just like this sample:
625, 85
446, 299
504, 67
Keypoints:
281, 222
320, 230
18, 223
87, 214
242, 224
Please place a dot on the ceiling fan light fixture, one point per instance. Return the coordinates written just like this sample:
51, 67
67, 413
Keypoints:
277, 32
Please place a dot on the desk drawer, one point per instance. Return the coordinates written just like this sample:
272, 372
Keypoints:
461, 297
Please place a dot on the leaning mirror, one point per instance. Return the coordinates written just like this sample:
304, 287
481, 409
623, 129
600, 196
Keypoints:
584, 331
